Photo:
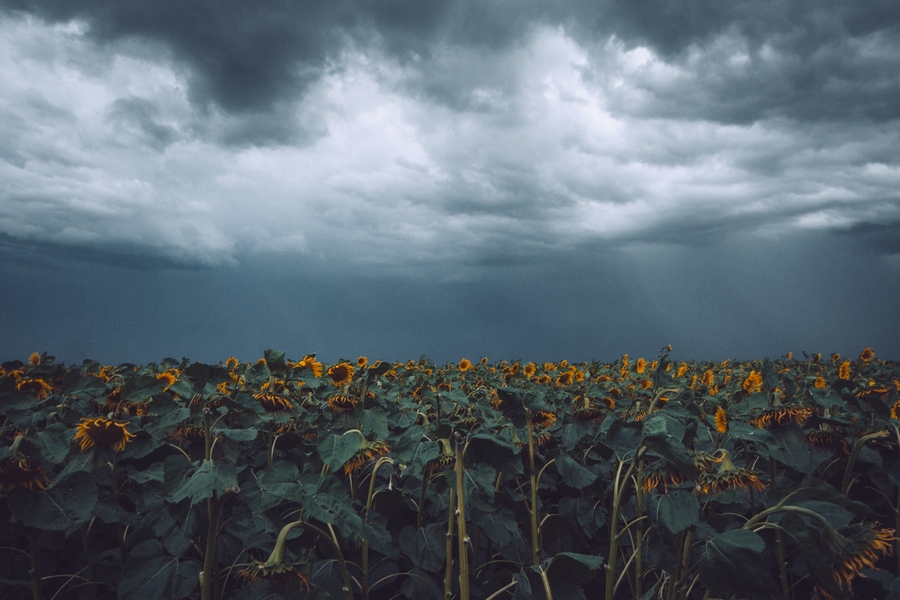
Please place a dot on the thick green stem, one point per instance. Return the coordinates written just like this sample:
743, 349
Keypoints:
546, 583
463, 539
779, 543
365, 542
848, 470
209, 581
448, 572
533, 511
619, 484
34, 549
639, 536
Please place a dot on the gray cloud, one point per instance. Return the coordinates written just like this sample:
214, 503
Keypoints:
486, 171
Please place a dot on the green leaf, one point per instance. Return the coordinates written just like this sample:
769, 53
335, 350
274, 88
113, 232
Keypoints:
336, 450
420, 586
589, 514
573, 567
274, 360
574, 474
238, 435
732, 563
425, 547
142, 387
205, 481
791, 448
502, 456
675, 511
152, 575
374, 421
810, 546
499, 525
65, 506
56, 441
663, 434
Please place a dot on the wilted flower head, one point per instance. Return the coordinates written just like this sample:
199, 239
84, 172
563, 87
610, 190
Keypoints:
858, 547
40, 388
22, 472
367, 452
273, 402
34, 359
782, 415
100, 430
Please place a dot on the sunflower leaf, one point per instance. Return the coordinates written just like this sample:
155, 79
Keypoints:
732, 563
336, 450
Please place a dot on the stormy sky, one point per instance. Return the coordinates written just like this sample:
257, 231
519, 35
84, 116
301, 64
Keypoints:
518, 180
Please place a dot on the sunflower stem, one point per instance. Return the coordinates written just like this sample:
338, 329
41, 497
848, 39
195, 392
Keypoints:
618, 488
533, 512
365, 542
34, 550
463, 539
448, 571
639, 542
848, 470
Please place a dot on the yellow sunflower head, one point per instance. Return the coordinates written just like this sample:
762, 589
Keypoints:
844, 370
721, 420
273, 402
100, 430
465, 365
564, 378
167, 378
543, 418
709, 378
753, 383
867, 355
640, 366
232, 362
34, 359
342, 403
361, 362
529, 370
858, 547
782, 415
682, 370
367, 452
820, 383
341, 374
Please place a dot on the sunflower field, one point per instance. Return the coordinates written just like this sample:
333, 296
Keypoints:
374, 480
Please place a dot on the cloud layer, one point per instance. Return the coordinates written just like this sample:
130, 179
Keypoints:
457, 143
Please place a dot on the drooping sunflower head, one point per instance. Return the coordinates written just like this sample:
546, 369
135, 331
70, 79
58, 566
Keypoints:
168, 378
782, 415
661, 474
341, 374
188, 433
860, 546
713, 484
828, 440
542, 419
342, 402
273, 402
367, 452
232, 363
40, 388
22, 472
640, 366
436, 465
100, 430
867, 355
281, 572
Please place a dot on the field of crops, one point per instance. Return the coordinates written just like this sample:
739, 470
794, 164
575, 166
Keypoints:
491, 480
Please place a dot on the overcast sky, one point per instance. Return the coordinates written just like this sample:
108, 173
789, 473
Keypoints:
535, 180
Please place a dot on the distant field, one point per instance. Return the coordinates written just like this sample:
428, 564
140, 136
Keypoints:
374, 480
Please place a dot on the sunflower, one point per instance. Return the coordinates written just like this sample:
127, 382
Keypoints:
782, 415
283, 572
564, 379
39, 387
544, 379
342, 403
728, 477
232, 363
438, 464
709, 378
101, 430
857, 547
22, 472
361, 362
828, 440
661, 474
529, 370
682, 370
895, 410
721, 420
873, 393
753, 383
867, 355
542, 419
273, 402
820, 383
341, 374
188, 433
640, 365
367, 452
465, 365
168, 378
309, 362
844, 370
34, 359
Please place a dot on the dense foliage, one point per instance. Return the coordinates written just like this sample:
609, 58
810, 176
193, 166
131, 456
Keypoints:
294, 479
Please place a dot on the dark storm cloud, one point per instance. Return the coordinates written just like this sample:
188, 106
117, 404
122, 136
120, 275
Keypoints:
141, 114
